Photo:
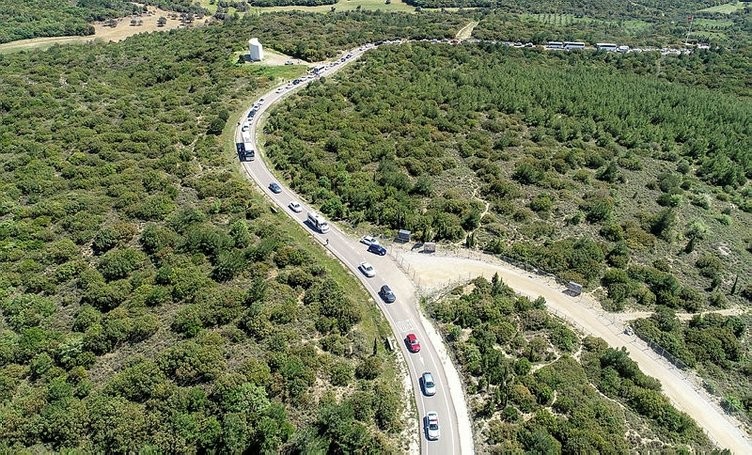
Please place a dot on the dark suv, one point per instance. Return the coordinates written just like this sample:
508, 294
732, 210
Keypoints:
386, 293
376, 249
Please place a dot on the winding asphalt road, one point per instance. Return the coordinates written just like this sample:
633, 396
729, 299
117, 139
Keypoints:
404, 315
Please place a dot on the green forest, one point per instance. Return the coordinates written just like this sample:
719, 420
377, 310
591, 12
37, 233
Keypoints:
569, 162
716, 346
150, 300
733, 32
535, 386
340, 31
33, 18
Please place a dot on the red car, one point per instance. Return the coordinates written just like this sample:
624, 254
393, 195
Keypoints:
412, 342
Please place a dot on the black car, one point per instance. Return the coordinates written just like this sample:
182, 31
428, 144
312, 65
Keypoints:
274, 186
386, 294
376, 249
247, 155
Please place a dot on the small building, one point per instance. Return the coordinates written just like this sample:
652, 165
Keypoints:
574, 289
403, 235
255, 50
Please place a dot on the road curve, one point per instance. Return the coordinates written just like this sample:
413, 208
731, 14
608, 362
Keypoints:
404, 315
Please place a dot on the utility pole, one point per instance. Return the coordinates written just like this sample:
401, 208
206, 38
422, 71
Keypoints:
690, 19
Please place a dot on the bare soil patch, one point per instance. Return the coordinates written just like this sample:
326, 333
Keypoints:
103, 32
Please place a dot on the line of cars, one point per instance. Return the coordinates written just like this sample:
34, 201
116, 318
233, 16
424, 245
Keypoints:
385, 292
428, 387
426, 381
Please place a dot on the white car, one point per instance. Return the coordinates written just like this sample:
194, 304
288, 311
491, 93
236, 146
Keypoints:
369, 240
367, 269
431, 422
295, 207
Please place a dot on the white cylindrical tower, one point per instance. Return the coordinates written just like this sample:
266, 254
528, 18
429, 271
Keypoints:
255, 50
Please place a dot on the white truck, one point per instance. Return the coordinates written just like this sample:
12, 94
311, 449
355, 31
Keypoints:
318, 222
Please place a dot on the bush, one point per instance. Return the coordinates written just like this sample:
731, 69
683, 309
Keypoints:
118, 264
369, 368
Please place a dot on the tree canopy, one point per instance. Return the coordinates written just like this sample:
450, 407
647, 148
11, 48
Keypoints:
535, 384
150, 301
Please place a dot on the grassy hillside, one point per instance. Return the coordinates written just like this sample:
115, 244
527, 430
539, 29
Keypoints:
535, 386
149, 299
23, 19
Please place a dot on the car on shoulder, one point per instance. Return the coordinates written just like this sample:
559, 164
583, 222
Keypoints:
386, 294
369, 240
274, 186
367, 269
413, 345
428, 384
431, 423
295, 207
375, 248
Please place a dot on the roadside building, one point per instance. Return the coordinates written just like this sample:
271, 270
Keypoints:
255, 50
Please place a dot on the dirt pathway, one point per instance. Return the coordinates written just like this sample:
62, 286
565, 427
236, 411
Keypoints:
432, 273
466, 31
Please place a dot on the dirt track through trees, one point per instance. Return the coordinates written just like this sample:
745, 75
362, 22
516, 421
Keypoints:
435, 272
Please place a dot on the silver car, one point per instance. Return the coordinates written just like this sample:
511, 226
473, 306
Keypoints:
367, 269
431, 423
369, 240
429, 387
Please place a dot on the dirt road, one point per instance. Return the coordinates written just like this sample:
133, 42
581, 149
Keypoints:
434, 272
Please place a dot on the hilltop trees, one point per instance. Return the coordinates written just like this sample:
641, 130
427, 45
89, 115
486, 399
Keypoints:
575, 180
